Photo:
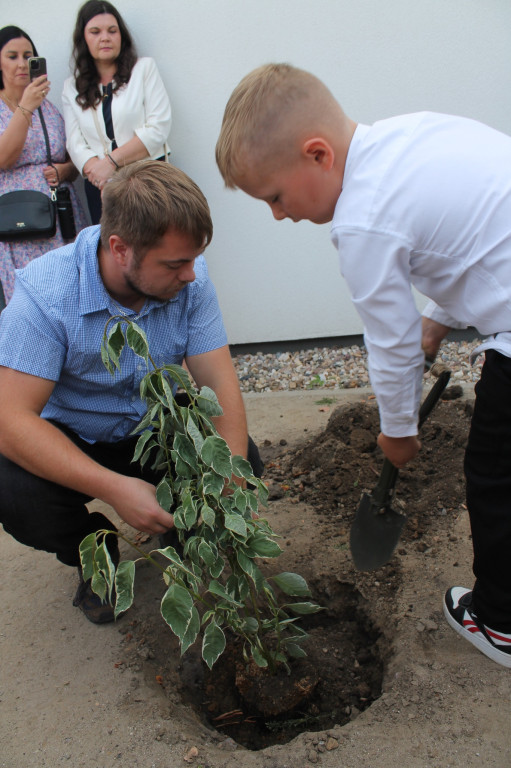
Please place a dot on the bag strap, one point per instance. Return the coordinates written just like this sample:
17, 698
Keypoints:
48, 151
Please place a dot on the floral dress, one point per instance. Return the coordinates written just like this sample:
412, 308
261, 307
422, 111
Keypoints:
27, 173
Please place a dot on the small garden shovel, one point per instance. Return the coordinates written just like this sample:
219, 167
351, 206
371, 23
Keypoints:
377, 527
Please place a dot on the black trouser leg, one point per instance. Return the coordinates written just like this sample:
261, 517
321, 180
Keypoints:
488, 475
93, 196
47, 516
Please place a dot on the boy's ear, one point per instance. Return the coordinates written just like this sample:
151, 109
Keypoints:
118, 249
320, 151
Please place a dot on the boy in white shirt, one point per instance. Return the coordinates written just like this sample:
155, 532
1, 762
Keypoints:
418, 200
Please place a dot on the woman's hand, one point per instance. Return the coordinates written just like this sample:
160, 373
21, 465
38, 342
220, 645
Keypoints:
58, 172
99, 172
35, 93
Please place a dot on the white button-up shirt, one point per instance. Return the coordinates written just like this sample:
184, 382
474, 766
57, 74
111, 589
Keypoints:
426, 201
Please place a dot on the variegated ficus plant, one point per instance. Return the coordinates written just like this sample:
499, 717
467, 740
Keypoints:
213, 584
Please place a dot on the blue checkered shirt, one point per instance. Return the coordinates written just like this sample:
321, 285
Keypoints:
54, 323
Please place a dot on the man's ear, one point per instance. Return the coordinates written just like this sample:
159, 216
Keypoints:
320, 151
119, 249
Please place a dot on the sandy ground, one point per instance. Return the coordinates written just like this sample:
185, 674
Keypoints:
66, 698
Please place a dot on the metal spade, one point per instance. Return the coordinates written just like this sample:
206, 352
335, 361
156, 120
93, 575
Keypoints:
377, 527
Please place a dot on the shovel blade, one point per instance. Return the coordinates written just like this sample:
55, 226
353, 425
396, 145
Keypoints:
374, 534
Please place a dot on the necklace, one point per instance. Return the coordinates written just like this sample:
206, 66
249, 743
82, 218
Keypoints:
122, 311
8, 101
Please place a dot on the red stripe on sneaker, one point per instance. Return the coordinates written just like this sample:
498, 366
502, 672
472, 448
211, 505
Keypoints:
505, 640
470, 625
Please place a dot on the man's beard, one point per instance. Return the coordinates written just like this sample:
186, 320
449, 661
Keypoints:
137, 289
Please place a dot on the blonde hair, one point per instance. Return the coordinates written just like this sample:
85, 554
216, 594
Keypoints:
145, 199
267, 114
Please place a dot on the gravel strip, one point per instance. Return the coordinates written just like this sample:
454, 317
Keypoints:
335, 367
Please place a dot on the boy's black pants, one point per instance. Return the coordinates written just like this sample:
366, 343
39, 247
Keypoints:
488, 476
47, 516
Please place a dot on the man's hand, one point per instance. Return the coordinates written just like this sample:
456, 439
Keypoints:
135, 501
432, 335
399, 450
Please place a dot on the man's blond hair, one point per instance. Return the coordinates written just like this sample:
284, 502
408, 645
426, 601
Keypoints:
268, 112
145, 199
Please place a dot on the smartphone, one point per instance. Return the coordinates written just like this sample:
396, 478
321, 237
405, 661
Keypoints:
36, 67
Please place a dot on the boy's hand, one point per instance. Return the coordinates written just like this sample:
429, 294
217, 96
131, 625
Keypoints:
432, 335
399, 450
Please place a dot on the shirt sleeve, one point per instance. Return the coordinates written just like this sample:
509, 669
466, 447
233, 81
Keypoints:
26, 328
376, 268
158, 117
206, 330
77, 145
439, 315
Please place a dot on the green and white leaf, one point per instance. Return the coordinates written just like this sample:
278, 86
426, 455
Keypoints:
208, 516
115, 344
291, 584
303, 609
215, 453
87, 550
236, 524
124, 582
137, 341
213, 643
192, 631
213, 484
219, 591
185, 448
194, 431
176, 609
164, 495
208, 402
241, 467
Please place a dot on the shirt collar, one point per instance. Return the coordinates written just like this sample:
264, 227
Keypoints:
358, 137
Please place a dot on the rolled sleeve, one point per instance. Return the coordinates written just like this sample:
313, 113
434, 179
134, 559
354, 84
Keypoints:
439, 315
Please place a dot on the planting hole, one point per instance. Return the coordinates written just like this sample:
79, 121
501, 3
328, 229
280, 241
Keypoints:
340, 677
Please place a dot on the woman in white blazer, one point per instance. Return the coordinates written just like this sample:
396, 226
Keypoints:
115, 106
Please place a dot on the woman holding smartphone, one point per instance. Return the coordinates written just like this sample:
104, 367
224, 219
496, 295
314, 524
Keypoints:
115, 107
23, 156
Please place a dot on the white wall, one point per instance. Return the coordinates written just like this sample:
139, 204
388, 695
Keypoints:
279, 281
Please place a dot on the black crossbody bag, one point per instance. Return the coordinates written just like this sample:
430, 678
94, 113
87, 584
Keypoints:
27, 214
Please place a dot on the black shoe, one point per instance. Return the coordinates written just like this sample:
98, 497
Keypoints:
91, 604
459, 613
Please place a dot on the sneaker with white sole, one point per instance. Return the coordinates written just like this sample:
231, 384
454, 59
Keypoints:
459, 613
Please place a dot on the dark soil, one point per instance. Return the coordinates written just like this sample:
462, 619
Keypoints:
350, 641
331, 471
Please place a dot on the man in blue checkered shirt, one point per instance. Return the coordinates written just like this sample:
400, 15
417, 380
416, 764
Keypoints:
65, 423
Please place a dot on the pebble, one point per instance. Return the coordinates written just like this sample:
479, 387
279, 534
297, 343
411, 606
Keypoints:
330, 368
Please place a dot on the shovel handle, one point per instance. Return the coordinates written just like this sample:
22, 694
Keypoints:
384, 489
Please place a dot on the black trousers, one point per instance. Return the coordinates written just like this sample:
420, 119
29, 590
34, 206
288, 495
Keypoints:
47, 516
488, 476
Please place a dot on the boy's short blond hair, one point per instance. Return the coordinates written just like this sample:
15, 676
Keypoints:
268, 112
145, 199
